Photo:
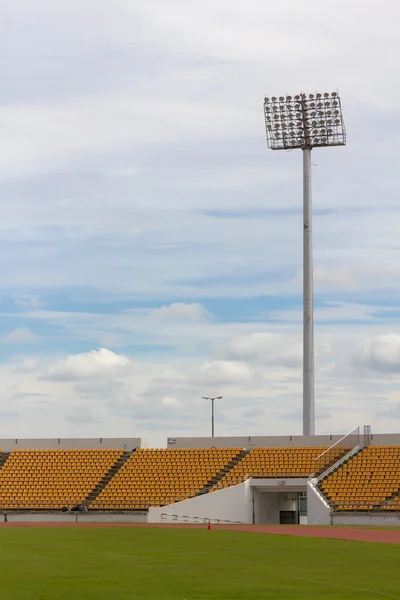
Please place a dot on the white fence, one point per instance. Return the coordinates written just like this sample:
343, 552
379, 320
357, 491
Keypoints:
171, 518
349, 442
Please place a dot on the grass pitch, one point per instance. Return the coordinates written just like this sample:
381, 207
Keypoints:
190, 564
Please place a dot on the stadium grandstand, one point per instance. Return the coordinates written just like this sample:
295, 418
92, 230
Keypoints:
316, 479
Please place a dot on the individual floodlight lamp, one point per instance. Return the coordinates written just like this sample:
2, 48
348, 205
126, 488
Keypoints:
305, 122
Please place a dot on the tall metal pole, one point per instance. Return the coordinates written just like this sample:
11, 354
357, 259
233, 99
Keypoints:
306, 122
308, 313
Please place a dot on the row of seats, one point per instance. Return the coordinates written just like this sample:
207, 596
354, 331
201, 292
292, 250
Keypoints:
366, 481
280, 462
148, 478
53, 478
392, 504
141, 475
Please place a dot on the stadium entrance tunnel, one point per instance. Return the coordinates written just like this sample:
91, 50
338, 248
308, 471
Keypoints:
280, 502
255, 501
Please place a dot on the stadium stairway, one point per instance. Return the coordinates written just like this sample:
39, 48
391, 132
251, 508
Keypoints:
336, 462
231, 464
3, 458
323, 474
107, 478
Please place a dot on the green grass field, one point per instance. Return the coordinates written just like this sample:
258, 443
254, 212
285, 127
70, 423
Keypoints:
190, 564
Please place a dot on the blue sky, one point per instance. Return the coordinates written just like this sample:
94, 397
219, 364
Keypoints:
150, 243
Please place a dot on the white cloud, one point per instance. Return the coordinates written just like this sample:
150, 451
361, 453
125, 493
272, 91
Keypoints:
170, 375
181, 311
381, 353
351, 277
27, 365
267, 348
336, 277
22, 334
29, 302
138, 402
221, 372
53, 127
335, 311
253, 413
170, 401
81, 416
100, 363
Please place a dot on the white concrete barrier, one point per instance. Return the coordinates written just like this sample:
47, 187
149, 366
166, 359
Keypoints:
94, 517
68, 517
366, 519
42, 517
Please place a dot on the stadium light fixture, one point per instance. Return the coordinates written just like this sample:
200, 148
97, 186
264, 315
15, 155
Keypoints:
212, 410
305, 122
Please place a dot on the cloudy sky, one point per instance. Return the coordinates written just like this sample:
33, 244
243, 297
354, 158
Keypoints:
151, 245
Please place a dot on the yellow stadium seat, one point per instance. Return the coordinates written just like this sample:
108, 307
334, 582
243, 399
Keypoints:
162, 476
48, 479
369, 480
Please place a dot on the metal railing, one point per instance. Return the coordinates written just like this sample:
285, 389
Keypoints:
348, 443
172, 518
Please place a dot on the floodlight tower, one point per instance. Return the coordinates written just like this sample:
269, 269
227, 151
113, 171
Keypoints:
305, 122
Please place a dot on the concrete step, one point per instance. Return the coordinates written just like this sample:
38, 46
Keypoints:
228, 467
107, 478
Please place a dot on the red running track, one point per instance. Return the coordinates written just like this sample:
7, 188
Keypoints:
384, 536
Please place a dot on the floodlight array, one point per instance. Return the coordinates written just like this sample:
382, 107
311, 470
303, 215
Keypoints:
304, 121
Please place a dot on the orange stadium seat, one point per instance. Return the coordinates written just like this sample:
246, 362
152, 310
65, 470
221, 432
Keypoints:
368, 481
280, 462
161, 477
52, 479
393, 504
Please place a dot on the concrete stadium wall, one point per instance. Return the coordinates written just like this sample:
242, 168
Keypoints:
267, 507
94, 517
372, 519
303, 520
256, 501
294, 484
385, 439
20, 517
249, 442
231, 504
253, 442
318, 509
68, 443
